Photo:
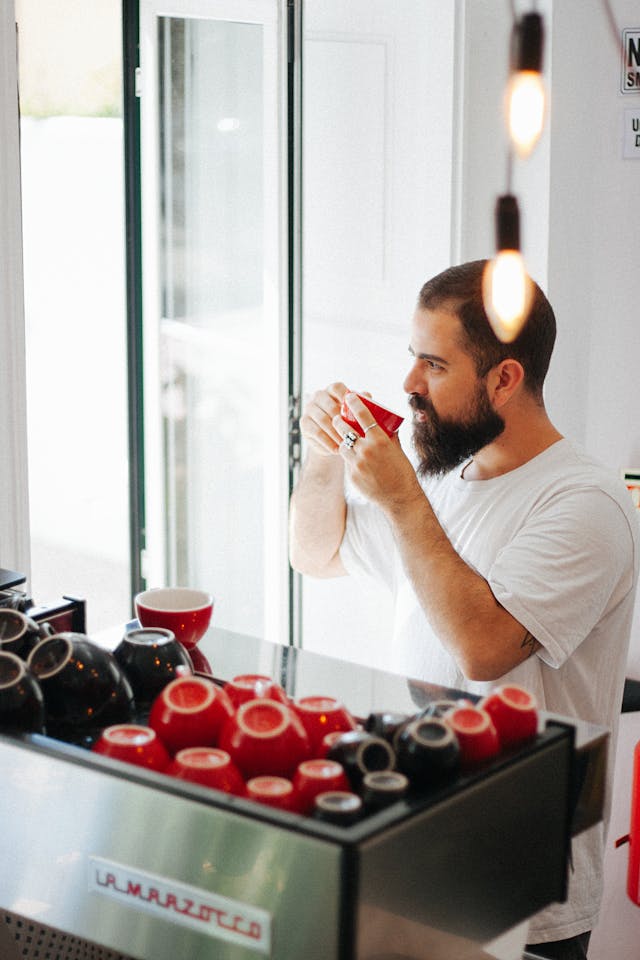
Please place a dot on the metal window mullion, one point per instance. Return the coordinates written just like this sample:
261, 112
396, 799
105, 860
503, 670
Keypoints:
133, 256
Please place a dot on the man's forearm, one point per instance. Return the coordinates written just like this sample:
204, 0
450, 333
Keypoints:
317, 517
483, 638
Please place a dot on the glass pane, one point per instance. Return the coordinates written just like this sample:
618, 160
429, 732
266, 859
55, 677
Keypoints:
211, 331
382, 176
73, 222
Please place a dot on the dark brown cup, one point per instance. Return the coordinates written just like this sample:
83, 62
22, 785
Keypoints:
84, 687
21, 700
427, 751
151, 658
19, 634
361, 753
380, 790
340, 807
386, 724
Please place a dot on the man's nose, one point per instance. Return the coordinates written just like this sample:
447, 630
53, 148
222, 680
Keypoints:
414, 383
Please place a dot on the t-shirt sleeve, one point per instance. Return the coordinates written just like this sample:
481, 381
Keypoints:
367, 548
566, 567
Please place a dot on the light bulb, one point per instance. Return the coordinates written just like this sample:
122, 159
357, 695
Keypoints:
525, 91
525, 110
507, 293
507, 289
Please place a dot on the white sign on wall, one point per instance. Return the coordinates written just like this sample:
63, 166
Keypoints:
632, 134
630, 79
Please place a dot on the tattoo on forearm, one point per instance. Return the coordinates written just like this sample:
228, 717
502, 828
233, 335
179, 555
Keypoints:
529, 642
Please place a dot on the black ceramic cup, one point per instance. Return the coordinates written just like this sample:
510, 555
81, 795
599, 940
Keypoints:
21, 700
427, 751
84, 687
360, 753
19, 634
386, 724
151, 658
337, 806
381, 789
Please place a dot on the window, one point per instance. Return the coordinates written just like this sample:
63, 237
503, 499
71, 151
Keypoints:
73, 229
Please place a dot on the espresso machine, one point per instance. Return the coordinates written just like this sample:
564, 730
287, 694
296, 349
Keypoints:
106, 861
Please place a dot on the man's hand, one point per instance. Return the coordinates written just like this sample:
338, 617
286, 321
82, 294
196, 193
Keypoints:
378, 466
316, 422
318, 510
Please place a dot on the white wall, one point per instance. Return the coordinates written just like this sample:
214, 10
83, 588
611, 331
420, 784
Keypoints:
594, 267
594, 283
580, 207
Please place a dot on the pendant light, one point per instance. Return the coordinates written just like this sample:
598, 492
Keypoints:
507, 288
525, 91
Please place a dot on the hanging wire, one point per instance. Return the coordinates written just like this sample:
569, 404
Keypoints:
509, 169
613, 26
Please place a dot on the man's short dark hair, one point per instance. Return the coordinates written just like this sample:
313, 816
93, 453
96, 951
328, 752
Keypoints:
459, 288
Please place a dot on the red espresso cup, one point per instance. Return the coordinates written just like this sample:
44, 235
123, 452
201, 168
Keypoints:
133, 743
186, 612
275, 792
208, 766
320, 716
265, 737
254, 686
385, 418
514, 713
318, 776
477, 736
190, 712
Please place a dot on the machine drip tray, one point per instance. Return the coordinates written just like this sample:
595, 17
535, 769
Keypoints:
24, 939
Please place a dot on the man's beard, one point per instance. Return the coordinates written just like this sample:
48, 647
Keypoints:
443, 444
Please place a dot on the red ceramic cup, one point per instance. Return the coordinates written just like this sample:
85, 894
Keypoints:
254, 686
387, 419
274, 792
320, 716
318, 776
208, 766
186, 612
133, 743
477, 736
200, 663
265, 737
514, 713
190, 712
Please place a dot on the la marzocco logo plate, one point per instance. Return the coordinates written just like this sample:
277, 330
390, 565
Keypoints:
208, 913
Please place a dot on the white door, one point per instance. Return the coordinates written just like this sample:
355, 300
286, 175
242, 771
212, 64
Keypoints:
215, 327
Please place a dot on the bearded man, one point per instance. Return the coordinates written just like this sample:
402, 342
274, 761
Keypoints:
512, 554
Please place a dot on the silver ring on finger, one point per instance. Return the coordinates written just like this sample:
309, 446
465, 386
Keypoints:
350, 439
371, 426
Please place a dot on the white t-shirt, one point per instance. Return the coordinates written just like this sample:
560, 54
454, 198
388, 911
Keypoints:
557, 540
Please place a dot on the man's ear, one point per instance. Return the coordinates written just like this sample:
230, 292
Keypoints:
504, 380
